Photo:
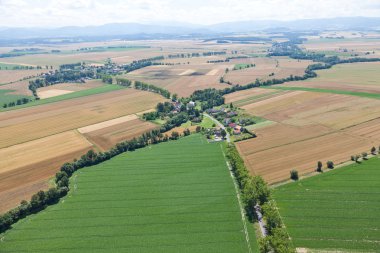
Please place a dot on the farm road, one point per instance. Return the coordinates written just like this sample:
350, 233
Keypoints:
220, 125
257, 207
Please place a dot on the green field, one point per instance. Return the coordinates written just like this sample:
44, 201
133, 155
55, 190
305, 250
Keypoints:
171, 197
342, 92
338, 210
5, 97
241, 66
77, 94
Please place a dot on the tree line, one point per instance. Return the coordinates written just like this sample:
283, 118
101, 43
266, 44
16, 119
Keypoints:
255, 191
150, 87
42, 199
20, 101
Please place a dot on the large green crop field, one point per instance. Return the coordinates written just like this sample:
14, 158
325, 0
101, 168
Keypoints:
171, 197
338, 210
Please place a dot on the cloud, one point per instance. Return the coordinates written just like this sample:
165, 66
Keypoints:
95, 12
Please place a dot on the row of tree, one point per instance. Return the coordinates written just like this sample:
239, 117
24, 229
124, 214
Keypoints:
255, 192
152, 88
42, 199
20, 101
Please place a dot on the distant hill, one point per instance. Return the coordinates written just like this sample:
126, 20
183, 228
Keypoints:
120, 29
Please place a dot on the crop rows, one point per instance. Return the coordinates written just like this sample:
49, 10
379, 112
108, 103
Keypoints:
336, 210
171, 197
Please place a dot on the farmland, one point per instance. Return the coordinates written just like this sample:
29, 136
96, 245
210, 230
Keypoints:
108, 136
48, 147
157, 198
354, 77
6, 96
267, 68
25, 170
24, 125
308, 127
334, 211
66, 88
182, 79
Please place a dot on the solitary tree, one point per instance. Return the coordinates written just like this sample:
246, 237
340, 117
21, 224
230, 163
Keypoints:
330, 165
294, 175
319, 166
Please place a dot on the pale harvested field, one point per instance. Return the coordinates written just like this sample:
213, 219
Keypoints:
23, 168
7, 76
65, 88
310, 127
275, 164
53, 93
281, 67
107, 123
187, 72
108, 136
357, 77
182, 79
25, 124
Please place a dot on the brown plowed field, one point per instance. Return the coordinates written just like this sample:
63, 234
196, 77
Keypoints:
310, 127
29, 165
276, 163
26, 124
302, 108
182, 79
281, 67
36, 141
107, 137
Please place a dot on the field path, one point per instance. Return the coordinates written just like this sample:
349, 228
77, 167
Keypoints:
242, 212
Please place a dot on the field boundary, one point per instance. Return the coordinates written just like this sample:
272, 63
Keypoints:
237, 192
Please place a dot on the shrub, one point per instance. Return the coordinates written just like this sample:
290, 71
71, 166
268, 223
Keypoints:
373, 151
365, 155
319, 166
294, 174
330, 165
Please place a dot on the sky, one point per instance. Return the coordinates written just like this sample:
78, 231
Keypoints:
56, 13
